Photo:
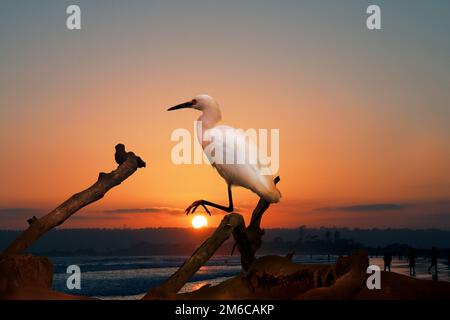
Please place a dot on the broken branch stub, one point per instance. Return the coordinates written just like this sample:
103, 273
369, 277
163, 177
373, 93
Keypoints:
128, 163
249, 242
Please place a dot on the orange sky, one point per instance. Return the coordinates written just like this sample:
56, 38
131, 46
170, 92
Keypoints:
363, 117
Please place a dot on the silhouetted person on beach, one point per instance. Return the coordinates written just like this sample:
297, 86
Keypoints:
412, 262
434, 260
387, 261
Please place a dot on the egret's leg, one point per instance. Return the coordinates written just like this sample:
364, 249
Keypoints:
204, 203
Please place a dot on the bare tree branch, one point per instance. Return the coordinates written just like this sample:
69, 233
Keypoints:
128, 163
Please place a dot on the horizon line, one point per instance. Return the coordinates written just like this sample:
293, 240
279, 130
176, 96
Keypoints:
269, 228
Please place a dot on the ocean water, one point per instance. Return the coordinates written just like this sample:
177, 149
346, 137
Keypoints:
130, 277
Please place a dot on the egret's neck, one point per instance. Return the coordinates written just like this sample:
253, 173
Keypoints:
209, 118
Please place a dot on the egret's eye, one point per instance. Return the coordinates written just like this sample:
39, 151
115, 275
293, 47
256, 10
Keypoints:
194, 101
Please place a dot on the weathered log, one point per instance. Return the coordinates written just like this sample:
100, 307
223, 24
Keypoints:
198, 258
347, 285
25, 271
128, 163
269, 277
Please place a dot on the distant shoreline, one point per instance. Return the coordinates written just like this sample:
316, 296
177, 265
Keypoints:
183, 241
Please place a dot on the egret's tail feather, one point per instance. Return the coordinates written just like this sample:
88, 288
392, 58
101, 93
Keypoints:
271, 193
273, 197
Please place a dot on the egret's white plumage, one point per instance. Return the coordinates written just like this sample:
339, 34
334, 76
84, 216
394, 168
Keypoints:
246, 174
233, 144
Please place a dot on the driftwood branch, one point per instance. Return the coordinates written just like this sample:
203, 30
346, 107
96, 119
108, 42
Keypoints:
128, 163
248, 241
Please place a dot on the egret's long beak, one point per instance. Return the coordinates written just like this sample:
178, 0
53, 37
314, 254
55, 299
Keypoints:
182, 106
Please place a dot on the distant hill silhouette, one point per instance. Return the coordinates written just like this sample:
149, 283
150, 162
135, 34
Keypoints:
182, 241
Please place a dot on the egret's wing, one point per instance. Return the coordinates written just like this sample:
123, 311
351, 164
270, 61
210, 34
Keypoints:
226, 145
234, 154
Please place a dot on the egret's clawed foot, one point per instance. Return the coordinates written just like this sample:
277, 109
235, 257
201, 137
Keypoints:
195, 205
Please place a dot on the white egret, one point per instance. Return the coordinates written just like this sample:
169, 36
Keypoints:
211, 136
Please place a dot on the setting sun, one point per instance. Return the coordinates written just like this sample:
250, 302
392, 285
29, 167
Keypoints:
199, 221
